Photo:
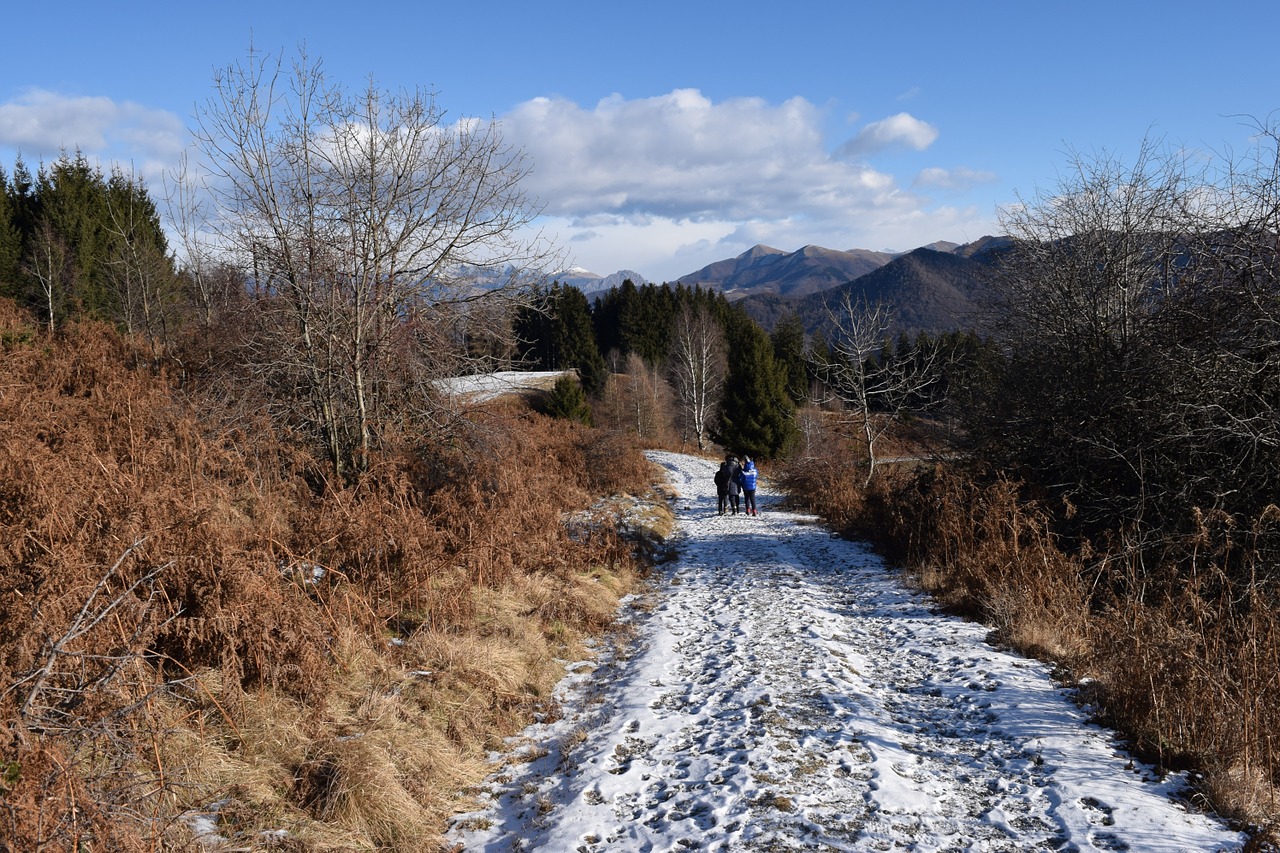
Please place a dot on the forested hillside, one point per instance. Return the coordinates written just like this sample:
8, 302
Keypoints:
928, 290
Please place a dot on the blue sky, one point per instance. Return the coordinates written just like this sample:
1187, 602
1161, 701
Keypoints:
666, 135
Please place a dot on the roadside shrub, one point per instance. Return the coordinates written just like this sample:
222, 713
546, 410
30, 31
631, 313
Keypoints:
567, 401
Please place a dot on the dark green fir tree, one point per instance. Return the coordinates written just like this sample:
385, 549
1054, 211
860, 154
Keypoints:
757, 417
568, 401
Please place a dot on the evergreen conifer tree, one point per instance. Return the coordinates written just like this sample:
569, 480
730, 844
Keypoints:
71, 197
568, 401
788, 352
757, 416
574, 339
10, 240
557, 334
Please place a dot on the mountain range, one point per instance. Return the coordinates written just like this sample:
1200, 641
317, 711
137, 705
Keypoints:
764, 269
590, 283
934, 288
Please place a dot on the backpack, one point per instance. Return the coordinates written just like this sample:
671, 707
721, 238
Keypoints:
722, 478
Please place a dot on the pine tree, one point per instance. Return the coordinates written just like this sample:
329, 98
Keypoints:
574, 341
557, 334
141, 287
613, 313
757, 416
531, 326
10, 240
71, 205
568, 401
788, 352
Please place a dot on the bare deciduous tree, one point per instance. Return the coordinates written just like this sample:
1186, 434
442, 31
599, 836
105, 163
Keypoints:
48, 261
354, 214
698, 369
1090, 259
136, 267
1139, 313
650, 399
874, 389
187, 209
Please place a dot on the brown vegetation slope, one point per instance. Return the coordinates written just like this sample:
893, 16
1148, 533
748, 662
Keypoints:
195, 638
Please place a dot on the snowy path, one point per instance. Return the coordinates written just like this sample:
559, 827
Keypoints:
787, 693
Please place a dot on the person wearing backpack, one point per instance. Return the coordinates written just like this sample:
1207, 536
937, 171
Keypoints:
747, 479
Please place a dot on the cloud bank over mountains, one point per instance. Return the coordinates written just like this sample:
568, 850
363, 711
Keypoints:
678, 176
662, 184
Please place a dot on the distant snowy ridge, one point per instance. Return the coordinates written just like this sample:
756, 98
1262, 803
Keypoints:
589, 282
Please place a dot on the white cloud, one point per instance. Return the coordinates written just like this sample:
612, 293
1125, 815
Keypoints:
42, 124
960, 178
683, 157
902, 129
667, 184
663, 185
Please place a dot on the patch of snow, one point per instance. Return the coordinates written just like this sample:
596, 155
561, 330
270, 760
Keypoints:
486, 386
789, 693
204, 824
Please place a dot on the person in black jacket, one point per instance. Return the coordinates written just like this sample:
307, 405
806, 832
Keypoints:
735, 484
722, 486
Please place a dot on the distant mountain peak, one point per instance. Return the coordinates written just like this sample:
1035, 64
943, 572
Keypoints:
932, 288
764, 269
590, 282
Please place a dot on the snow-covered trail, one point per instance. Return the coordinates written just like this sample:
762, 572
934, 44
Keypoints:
788, 693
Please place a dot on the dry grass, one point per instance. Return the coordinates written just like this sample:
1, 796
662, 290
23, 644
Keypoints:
332, 665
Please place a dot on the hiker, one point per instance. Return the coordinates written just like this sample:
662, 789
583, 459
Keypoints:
747, 479
722, 486
735, 485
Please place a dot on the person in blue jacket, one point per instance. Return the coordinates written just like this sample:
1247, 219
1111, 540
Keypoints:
747, 480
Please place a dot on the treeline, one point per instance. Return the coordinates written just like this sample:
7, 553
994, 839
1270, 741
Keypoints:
670, 362
667, 362
693, 365
77, 242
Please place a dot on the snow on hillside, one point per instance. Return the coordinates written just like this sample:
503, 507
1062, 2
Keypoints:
788, 693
